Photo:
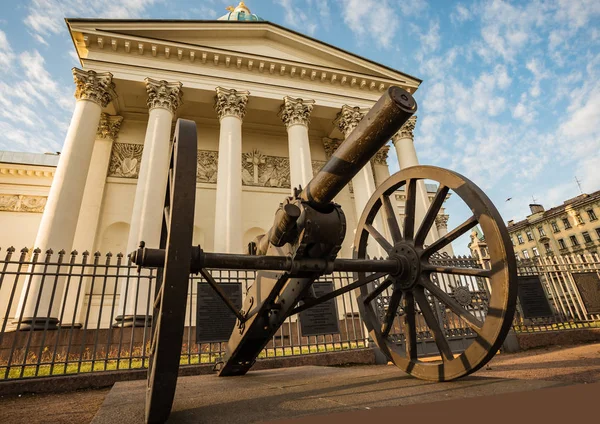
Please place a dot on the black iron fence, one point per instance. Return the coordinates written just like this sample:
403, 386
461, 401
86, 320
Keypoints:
70, 313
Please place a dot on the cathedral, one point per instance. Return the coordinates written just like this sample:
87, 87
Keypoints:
270, 105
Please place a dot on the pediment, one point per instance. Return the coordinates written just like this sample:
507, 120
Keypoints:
260, 39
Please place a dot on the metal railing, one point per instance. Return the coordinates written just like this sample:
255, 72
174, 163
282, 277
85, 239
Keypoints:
100, 316
74, 313
571, 288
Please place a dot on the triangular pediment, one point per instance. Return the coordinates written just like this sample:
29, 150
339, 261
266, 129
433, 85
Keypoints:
260, 39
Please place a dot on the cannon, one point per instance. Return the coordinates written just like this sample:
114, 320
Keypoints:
303, 244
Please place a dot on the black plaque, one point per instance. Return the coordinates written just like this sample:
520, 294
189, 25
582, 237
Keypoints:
588, 284
532, 297
214, 320
322, 318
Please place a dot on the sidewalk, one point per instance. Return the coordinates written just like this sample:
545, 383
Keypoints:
299, 392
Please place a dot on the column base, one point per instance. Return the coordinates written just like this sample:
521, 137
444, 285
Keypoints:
35, 324
132, 321
76, 326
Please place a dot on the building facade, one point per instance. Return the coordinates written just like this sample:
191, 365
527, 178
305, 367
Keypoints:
270, 105
572, 228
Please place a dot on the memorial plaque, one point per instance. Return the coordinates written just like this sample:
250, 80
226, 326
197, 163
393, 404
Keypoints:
214, 320
532, 297
588, 284
322, 318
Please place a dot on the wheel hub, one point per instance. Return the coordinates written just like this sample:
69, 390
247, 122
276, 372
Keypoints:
408, 257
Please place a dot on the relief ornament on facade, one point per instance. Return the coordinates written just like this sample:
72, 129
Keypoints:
125, 160
22, 203
265, 171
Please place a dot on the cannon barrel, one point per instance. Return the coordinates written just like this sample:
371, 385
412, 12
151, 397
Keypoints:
378, 126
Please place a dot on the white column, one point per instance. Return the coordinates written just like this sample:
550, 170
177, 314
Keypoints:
106, 135
148, 206
85, 235
230, 106
407, 156
295, 114
380, 165
363, 183
59, 221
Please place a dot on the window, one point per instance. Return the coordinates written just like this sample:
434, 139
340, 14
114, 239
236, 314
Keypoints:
598, 232
591, 215
517, 256
547, 247
554, 227
541, 231
529, 235
535, 251
574, 241
579, 219
586, 237
525, 254
520, 238
561, 244
567, 223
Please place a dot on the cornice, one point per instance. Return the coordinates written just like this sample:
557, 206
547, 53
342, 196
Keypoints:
22, 171
117, 26
95, 40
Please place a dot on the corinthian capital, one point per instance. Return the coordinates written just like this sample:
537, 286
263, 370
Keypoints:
330, 145
382, 155
109, 126
348, 119
163, 94
90, 85
441, 221
231, 102
407, 130
296, 111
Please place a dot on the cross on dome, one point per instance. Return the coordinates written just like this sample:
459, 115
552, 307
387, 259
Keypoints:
240, 13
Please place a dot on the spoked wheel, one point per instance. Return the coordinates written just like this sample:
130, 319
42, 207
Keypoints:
429, 301
172, 280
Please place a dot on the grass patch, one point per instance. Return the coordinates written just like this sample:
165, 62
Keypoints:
30, 369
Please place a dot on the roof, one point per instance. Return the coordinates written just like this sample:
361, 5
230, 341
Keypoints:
26, 158
557, 210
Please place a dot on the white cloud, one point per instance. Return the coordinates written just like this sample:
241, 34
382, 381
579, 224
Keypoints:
430, 41
460, 14
364, 18
46, 17
296, 17
6, 52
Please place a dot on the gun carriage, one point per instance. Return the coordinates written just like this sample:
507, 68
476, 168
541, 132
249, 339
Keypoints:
303, 244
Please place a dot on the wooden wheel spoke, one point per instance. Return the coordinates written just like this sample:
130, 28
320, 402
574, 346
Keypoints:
451, 236
454, 306
377, 291
433, 324
379, 238
475, 272
390, 218
431, 214
410, 209
390, 315
410, 326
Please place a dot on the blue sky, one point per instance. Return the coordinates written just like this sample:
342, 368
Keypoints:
510, 95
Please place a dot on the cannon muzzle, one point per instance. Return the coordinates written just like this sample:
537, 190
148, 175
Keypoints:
377, 127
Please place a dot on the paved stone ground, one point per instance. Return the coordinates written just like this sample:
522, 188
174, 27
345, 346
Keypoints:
297, 392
